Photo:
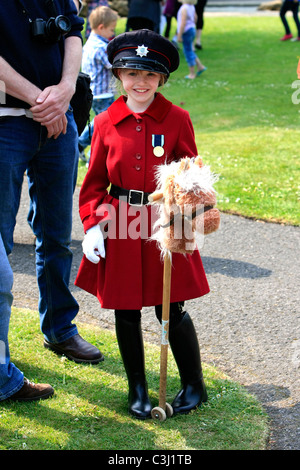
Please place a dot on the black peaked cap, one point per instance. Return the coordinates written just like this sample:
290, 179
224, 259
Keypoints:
143, 50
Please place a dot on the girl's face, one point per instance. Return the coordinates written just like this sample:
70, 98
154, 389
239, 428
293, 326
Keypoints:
140, 86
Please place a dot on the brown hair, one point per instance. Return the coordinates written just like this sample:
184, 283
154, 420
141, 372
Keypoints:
102, 15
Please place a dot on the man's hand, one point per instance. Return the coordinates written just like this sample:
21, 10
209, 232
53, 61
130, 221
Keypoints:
51, 107
48, 106
53, 102
57, 128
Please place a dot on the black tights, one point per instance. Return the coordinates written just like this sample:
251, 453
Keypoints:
292, 6
134, 316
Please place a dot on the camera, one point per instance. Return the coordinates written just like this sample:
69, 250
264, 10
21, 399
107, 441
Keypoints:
52, 30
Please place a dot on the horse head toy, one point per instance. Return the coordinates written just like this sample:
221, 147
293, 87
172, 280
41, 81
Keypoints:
187, 200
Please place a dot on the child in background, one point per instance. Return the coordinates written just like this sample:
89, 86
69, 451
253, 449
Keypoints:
138, 132
103, 21
186, 33
91, 5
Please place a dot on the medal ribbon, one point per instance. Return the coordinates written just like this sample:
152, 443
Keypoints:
158, 140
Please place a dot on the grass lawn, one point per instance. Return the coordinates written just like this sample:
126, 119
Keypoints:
246, 125
89, 408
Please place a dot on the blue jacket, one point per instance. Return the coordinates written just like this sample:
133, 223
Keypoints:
40, 63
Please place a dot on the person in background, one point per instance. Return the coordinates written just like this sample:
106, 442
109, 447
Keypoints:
170, 10
103, 21
91, 5
293, 6
186, 32
144, 15
200, 5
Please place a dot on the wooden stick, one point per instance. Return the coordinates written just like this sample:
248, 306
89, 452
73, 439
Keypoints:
155, 197
165, 330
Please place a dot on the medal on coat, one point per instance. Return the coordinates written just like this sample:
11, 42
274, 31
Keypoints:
158, 145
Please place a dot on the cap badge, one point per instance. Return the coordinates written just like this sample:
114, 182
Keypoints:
142, 51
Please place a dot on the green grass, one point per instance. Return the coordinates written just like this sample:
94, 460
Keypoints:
89, 408
246, 126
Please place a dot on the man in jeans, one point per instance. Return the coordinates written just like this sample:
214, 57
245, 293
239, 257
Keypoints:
38, 134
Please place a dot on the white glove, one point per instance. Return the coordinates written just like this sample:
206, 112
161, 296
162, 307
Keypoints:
93, 244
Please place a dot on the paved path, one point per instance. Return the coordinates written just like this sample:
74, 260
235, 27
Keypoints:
248, 325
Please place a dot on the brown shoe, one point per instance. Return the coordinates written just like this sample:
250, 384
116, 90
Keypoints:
77, 349
31, 391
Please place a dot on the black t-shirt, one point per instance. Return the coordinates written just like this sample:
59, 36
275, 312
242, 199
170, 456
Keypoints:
40, 63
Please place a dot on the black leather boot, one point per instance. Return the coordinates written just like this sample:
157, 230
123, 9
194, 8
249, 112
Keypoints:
130, 340
185, 348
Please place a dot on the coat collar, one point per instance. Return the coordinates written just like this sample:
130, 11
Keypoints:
158, 109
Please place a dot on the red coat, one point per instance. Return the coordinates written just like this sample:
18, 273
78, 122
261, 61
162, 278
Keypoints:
131, 275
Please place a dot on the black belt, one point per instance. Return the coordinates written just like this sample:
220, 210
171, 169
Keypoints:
132, 196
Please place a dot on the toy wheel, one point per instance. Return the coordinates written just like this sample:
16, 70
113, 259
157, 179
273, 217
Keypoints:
169, 410
158, 413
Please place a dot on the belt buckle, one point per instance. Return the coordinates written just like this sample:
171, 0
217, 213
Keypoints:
141, 194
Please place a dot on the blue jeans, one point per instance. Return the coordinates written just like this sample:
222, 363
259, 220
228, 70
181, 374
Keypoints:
52, 171
11, 378
187, 43
98, 107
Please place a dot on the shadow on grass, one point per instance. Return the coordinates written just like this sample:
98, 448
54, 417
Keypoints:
89, 408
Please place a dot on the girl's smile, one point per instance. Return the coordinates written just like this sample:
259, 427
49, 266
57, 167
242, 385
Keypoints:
140, 87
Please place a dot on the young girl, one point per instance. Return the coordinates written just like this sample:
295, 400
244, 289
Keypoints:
186, 33
138, 132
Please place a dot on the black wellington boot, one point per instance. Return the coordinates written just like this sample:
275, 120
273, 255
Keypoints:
185, 348
130, 340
